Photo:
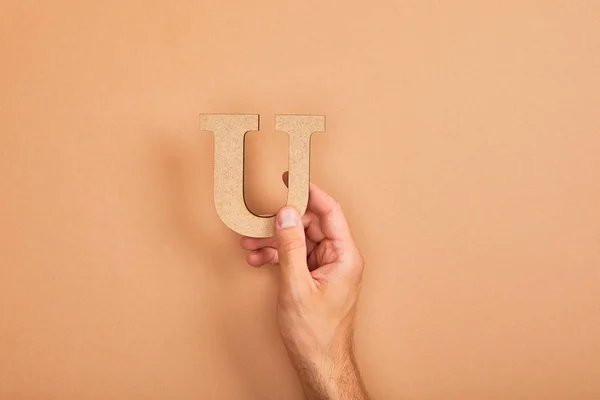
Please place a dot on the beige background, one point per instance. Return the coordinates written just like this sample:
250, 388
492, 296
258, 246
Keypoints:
463, 142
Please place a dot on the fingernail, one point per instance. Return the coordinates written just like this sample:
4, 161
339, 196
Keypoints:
286, 218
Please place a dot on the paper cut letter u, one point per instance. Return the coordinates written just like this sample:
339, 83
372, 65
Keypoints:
230, 131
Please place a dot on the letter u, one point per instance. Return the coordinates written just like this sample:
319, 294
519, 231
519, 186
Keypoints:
230, 131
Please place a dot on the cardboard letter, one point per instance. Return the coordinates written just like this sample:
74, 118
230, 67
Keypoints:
230, 131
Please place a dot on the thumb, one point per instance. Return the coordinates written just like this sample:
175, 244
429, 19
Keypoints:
291, 247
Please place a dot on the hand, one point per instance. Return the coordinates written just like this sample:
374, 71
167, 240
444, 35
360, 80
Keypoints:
321, 271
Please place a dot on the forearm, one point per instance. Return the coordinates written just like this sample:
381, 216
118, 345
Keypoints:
332, 378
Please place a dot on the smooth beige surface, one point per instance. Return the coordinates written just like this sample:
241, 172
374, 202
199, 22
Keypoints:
229, 134
463, 141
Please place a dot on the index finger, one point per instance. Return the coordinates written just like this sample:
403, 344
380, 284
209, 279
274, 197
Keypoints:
332, 220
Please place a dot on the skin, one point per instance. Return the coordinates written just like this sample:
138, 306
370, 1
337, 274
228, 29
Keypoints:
321, 272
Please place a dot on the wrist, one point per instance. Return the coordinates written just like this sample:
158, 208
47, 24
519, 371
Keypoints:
323, 355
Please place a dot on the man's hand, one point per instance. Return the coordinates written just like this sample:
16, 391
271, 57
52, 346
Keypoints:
321, 271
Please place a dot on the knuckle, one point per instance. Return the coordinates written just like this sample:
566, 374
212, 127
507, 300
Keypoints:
360, 264
291, 244
360, 268
357, 266
336, 208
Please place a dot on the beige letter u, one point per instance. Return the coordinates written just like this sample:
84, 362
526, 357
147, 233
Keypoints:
230, 131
